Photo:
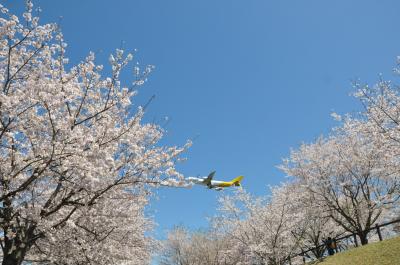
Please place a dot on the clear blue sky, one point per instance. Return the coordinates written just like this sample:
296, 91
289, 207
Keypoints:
252, 78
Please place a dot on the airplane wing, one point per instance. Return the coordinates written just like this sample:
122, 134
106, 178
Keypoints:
207, 180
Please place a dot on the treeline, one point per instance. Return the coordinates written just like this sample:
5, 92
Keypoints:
345, 182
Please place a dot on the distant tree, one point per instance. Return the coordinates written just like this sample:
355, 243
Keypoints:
348, 176
261, 227
76, 160
192, 248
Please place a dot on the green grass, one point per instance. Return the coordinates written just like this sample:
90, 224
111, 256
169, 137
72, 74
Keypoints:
386, 252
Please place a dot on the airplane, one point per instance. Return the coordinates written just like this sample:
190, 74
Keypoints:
215, 184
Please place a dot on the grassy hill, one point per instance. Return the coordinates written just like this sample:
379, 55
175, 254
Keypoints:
386, 252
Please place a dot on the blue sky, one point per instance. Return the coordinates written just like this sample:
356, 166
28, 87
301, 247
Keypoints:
249, 79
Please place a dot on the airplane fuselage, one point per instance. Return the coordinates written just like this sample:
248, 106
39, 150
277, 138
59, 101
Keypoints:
214, 183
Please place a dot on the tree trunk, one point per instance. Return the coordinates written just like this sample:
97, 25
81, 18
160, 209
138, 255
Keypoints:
363, 237
16, 248
14, 258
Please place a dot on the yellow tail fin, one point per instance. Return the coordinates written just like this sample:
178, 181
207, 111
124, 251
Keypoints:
236, 181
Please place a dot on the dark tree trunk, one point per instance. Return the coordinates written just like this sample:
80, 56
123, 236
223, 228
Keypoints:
14, 258
363, 237
16, 248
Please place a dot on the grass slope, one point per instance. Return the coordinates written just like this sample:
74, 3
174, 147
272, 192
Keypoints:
386, 252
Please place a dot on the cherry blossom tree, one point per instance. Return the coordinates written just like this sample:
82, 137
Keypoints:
381, 118
315, 224
183, 247
76, 160
262, 227
348, 175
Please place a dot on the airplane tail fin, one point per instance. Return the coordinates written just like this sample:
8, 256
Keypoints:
207, 180
236, 181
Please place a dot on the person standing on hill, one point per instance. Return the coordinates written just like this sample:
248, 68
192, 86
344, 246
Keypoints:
330, 246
